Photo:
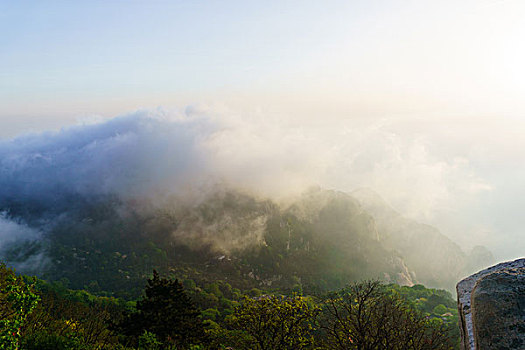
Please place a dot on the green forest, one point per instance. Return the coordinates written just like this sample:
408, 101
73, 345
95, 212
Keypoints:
175, 314
232, 272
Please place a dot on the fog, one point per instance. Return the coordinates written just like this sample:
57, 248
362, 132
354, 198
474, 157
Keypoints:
15, 233
12, 231
420, 101
444, 174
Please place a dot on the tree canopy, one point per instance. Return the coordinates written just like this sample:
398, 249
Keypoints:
366, 316
166, 311
17, 300
276, 322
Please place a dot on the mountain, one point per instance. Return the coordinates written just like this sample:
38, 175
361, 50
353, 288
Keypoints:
320, 241
436, 260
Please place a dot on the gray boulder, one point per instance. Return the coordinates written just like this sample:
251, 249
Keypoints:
491, 306
498, 310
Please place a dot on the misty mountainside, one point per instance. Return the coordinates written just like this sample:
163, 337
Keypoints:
434, 258
320, 241
103, 204
323, 240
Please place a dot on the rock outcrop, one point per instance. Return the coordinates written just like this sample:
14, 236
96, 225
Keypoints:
491, 306
498, 310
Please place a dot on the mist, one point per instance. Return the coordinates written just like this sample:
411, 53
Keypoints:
12, 231
421, 102
425, 173
15, 234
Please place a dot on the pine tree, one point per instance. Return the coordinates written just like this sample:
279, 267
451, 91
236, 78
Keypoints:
166, 311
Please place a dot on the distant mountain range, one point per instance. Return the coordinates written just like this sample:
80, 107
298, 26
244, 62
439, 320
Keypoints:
319, 241
435, 259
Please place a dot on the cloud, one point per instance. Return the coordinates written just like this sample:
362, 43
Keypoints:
150, 154
128, 155
459, 176
14, 234
12, 231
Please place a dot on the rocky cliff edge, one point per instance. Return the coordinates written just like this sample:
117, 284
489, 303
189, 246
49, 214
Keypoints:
491, 306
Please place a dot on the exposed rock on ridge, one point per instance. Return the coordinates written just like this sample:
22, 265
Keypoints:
491, 306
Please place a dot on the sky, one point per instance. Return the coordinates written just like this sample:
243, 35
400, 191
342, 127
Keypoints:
420, 100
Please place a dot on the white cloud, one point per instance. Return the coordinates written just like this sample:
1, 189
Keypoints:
12, 231
157, 153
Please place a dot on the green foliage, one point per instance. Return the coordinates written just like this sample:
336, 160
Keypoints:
65, 319
426, 300
440, 309
320, 243
17, 301
214, 289
210, 314
47, 341
167, 312
255, 292
221, 337
368, 316
276, 322
325, 240
189, 284
148, 341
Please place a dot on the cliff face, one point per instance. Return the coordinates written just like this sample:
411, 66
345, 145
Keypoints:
491, 306
435, 260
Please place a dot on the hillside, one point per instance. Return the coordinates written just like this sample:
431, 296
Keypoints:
217, 316
320, 241
434, 258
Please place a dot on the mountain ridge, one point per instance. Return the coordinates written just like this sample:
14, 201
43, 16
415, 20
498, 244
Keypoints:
323, 239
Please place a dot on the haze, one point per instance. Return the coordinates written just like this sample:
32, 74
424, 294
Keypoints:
421, 101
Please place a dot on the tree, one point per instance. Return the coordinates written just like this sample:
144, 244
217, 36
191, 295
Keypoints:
166, 311
17, 300
276, 322
366, 316
60, 321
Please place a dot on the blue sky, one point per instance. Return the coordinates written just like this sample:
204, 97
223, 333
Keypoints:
59, 50
63, 59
